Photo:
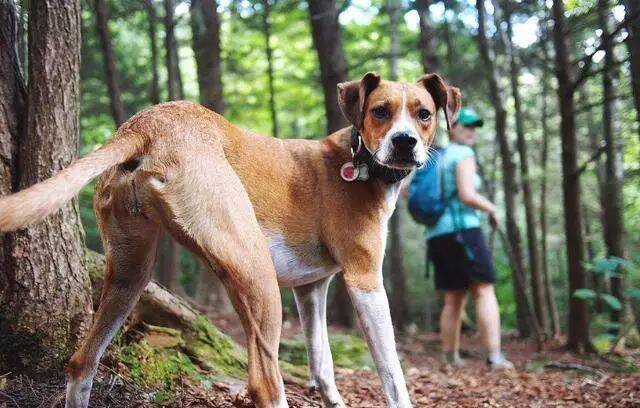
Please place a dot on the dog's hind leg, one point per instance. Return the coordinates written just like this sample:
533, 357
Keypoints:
130, 241
207, 209
312, 307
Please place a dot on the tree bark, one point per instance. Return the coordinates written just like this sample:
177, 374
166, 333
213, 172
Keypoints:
613, 205
325, 29
111, 72
552, 309
12, 111
396, 272
211, 291
632, 8
205, 26
45, 295
174, 80
266, 32
578, 336
527, 324
537, 289
427, 45
154, 91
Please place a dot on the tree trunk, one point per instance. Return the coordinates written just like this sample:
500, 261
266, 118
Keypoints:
205, 26
632, 8
527, 324
174, 80
396, 272
427, 45
266, 32
327, 40
448, 40
45, 295
578, 336
552, 309
537, 289
154, 91
168, 264
111, 73
211, 291
613, 205
12, 112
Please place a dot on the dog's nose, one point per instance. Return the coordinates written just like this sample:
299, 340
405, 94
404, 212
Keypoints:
403, 141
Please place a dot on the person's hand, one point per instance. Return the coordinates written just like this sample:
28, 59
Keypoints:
493, 220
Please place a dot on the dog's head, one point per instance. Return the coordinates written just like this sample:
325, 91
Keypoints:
398, 120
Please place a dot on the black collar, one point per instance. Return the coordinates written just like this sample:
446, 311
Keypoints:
363, 157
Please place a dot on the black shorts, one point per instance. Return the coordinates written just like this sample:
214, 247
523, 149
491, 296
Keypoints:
461, 258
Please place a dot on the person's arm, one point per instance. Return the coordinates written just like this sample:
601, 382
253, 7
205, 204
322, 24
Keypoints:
465, 176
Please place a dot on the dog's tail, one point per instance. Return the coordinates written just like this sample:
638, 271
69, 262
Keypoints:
36, 202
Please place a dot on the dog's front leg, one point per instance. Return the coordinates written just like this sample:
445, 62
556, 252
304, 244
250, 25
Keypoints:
372, 307
312, 307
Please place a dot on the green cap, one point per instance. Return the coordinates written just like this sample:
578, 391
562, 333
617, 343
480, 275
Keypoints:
469, 117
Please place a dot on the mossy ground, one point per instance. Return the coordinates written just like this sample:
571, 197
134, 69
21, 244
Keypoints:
348, 351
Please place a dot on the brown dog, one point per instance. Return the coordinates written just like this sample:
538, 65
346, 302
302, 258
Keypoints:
262, 213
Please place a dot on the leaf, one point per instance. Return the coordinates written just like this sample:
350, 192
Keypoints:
632, 293
612, 301
584, 294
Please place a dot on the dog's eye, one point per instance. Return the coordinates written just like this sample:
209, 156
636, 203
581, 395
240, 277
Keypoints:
424, 115
380, 112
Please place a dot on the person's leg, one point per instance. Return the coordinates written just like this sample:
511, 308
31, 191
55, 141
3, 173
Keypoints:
488, 319
450, 324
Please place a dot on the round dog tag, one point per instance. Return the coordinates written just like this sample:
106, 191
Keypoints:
349, 172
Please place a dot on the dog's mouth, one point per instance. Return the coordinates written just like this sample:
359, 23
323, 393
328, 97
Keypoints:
401, 163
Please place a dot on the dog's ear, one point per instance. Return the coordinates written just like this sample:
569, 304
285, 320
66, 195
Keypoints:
446, 97
353, 95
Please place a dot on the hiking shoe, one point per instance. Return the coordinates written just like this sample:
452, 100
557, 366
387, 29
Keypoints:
499, 362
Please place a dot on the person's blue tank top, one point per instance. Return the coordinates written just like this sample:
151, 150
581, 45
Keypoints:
457, 216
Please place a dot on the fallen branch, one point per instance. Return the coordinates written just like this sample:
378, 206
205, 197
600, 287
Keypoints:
574, 366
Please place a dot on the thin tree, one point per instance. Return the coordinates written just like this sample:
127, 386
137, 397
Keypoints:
537, 289
45, 296
266, 32
552, 309
613, 205
632, 9
396, 271
174, 79
527, 324
578, 336
110, 70
426, 44
152, 17
327, 40
205, 26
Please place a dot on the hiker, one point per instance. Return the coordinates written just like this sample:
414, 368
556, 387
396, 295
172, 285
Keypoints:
443, 195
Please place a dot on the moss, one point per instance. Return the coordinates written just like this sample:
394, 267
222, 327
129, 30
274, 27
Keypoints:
214, 350
155, 368
348, 351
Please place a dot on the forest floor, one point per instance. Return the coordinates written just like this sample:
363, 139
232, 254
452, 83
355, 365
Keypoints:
551, 378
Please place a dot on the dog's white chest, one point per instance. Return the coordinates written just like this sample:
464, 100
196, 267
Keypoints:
300, 264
